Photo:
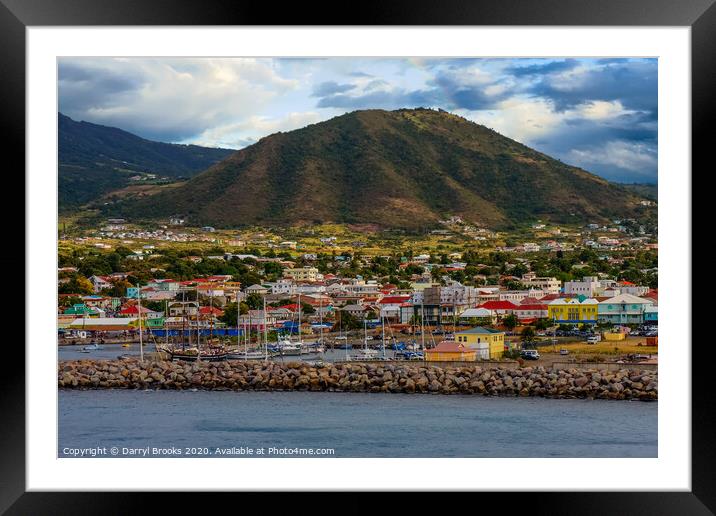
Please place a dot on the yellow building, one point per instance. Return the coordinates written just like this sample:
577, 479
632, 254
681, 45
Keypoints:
614, 336
448, 351
488, 343
303, 274
573, 310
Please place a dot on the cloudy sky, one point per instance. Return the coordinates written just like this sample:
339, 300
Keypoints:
599, 114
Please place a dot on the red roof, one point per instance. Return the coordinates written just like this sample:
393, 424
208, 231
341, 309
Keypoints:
206, 310
293, 307
652, 294
133, 310
390, 300
550, 297
628, 283
530, 301
499, 305
531, 307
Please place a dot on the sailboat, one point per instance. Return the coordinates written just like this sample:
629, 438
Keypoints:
193, 354
366, 353
341, 342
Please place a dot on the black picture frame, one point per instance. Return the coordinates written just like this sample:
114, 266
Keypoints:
17, 15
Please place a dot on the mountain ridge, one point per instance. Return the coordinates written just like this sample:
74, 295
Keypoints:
406, 168
96, 159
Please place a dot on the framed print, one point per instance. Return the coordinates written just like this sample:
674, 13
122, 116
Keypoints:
422, 251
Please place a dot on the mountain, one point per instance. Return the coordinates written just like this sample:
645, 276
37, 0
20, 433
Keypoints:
95, 159
648, 190
404, 169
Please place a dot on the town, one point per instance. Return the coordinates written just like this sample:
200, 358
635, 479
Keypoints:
460, 293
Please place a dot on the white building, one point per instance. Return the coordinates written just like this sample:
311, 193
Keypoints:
589, 287
548, 284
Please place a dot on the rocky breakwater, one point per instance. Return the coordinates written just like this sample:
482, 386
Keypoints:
408, 378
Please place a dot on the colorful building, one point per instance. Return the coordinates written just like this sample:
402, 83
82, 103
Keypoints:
488, 343
624, 309
651, 314
447, 351
573, 310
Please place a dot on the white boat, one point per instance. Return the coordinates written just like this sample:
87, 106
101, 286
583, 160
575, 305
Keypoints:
366, 354
246, 355
288, 348
91, 347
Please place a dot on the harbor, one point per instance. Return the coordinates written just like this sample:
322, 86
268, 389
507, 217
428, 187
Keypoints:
369, 377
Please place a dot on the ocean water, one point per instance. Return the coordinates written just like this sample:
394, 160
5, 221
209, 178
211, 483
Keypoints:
298, 424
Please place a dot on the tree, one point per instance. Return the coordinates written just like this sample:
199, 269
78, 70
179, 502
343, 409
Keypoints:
229, 317
154, 306
542, 323
307, 309
254, 301
347, 321
273, 268
118, 288
510, 321
78, 284
528, 334
66, 302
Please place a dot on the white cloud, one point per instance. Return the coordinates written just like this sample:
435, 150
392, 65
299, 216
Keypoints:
599, 110
173, 99
251, 129
521, 119
633, 156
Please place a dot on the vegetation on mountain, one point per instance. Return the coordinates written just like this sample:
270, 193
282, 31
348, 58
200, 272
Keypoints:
407, 169
96, 159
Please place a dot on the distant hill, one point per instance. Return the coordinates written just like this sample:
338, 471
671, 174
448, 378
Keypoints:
647, 190
404, 169
95, 159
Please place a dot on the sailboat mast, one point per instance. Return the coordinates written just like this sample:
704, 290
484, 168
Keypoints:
422, 322
299, 319
198, 324
382, 330
320, 321
166, 321
265, 333
139, 310
248, 336
365, 333
183, 320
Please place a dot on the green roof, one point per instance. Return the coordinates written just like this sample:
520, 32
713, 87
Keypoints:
479, 330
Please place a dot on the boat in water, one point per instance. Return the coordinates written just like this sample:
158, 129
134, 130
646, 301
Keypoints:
367, 354
247, 355
287, 348
193, 354
91, 347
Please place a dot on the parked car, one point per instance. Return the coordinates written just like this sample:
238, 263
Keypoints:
593, 339
529, 354
564, 351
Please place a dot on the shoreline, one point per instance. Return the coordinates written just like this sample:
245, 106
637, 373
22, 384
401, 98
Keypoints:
624, 384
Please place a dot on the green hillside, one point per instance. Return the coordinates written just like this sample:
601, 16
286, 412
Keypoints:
404, 169
95, 159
